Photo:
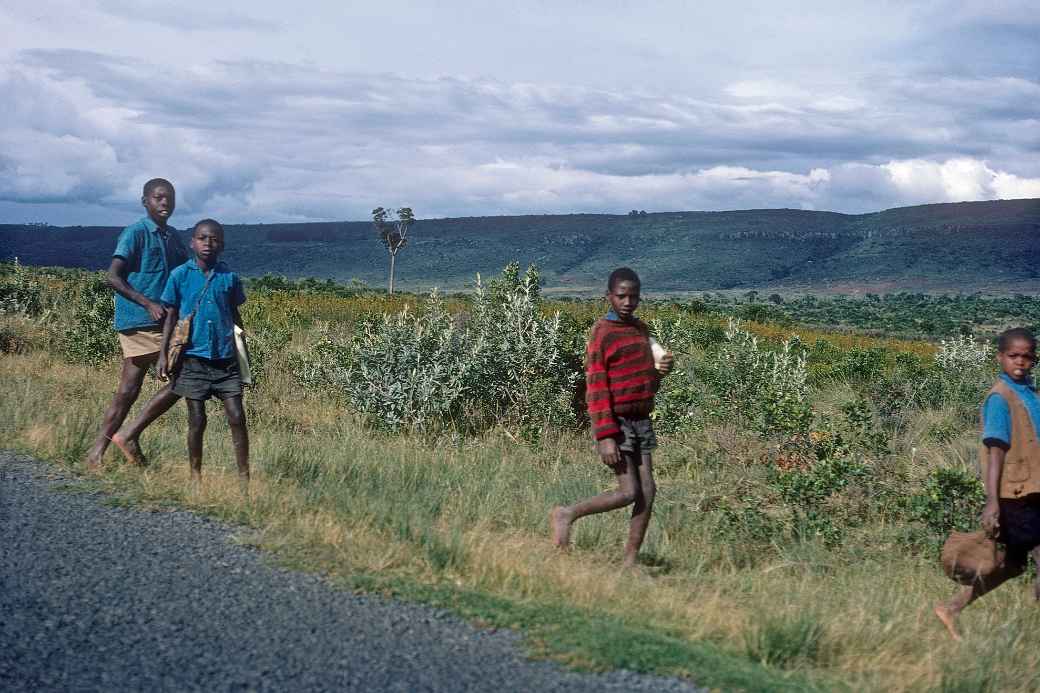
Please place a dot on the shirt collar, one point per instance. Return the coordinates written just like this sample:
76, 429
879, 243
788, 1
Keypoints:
611, 315
194, 264
1027, 383
150, 224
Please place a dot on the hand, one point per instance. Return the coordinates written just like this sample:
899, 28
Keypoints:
608, 451
161, 367
991, 518
666, 364
156, 310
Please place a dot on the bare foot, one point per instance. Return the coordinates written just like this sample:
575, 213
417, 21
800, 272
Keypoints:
93, 460
131, 450
560, 521
630, 561
948, 619
1036, 589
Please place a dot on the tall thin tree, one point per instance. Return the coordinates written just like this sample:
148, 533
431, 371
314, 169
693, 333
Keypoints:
393, 234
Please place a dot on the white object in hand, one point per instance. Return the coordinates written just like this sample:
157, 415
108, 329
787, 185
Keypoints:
658, 351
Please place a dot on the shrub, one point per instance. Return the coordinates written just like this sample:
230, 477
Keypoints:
768, 389
20, 292
425, 370
90, 339
951, 499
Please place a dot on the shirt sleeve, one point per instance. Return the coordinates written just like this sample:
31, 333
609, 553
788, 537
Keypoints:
127, 246
597, 390
996, 422
171, 295
238, 293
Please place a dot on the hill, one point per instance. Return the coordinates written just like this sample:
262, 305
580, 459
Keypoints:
946, 247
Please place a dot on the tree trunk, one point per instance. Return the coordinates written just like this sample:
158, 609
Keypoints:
393, 256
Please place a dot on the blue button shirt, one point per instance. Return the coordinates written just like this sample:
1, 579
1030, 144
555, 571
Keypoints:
213, 326
996, 415
150, 256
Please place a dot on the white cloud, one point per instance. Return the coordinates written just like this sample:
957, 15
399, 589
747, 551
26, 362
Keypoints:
258, 141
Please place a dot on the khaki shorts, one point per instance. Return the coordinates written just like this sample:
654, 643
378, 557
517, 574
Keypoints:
142, 342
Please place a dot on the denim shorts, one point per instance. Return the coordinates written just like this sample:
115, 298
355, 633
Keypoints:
201, 378
637, 435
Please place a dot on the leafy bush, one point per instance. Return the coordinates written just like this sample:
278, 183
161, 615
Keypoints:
425, 370
20, 292
951, 499
90, 338
768, 389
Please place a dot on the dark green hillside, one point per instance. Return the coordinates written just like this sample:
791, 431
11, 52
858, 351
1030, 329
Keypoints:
965, 246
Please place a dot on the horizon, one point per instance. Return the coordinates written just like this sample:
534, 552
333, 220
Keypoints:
44, 224
257, 111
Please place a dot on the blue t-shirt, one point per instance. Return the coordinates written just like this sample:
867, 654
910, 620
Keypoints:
996, 414
213, 326
150, 256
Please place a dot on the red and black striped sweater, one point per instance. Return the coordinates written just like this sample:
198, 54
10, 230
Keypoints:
620, 379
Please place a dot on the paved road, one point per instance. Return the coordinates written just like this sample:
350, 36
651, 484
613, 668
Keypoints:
98, 598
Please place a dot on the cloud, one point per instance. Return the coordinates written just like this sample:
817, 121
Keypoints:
175, 15
266, 141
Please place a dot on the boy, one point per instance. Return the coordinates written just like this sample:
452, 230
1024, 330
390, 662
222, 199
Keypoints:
1010, 458
621, 381
145, 254
205, 287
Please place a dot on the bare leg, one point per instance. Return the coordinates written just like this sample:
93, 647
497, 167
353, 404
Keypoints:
126, 438
563, 516
644, 505
196, 428
948, 611
130, 379
239, 437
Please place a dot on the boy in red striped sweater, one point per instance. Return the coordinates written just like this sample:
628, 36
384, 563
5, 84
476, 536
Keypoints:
621, 380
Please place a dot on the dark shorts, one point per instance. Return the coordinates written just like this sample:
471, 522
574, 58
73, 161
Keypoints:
201, 378
637, 435
1020, 524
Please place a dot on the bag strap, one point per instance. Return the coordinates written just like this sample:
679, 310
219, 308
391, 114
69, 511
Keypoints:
198, 301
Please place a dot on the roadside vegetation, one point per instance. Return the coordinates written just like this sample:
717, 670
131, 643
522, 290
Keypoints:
414, 445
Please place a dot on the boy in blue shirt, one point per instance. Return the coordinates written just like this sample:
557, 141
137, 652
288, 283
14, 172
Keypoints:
1010, 460
206, 287
145, 254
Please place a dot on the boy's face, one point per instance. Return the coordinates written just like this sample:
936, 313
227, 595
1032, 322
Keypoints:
207, 242
1018, 360
160, 203
624, 298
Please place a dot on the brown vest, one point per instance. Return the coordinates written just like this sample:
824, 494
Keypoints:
1021, 474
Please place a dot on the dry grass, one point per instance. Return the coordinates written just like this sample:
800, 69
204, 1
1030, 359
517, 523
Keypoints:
329, 493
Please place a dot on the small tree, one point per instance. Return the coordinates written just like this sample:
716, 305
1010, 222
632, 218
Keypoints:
393, 234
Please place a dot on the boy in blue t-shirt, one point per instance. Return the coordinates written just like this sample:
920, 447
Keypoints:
1011, 470
145, 254
206, 288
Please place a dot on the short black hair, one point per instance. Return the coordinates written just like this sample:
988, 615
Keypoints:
155, 183
622, 274
1005, 338
208, 222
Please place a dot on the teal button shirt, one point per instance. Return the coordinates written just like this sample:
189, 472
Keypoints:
213, 326
150, 256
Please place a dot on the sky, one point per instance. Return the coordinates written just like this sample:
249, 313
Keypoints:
319, 111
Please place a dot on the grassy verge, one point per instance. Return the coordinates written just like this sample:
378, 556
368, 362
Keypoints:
462, 525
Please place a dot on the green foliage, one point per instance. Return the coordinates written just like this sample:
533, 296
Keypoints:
766, 389
951, 499
20, 291
786, 641
90, 338
427, 370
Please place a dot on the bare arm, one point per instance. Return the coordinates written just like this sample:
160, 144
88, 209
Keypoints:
172, 316
117, 280
991, 513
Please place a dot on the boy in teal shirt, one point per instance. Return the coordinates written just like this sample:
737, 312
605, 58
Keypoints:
145, 254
